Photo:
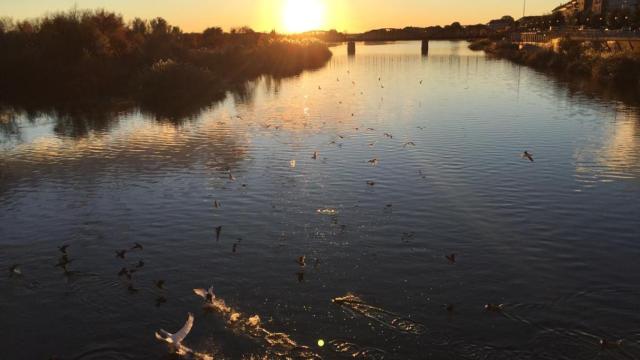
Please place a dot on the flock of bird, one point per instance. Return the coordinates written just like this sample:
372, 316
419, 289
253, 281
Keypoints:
175, 340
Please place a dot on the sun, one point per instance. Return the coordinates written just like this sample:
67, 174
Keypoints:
303, 15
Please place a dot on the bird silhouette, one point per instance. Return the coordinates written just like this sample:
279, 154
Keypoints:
159, 284
63, 248
610, 344
137, 246
231, 177
373, 162
64, 261
302, 261
315, 155
126, 272
234, 248
15, 270
527, 155
371, 183
121, 253
494, 307
388, 135
216, 204
451, 258
409, 143
218, 231
140, 264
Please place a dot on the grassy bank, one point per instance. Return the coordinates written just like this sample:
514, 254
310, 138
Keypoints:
95, 55
571, 57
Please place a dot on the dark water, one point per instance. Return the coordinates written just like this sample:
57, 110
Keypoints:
556, 241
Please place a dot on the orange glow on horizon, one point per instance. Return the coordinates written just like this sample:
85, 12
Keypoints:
290, 15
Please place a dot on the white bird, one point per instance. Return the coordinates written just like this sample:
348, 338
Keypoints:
175, 340
207, 295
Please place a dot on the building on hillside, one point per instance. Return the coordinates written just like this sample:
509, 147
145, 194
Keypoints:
597, 7
572, 8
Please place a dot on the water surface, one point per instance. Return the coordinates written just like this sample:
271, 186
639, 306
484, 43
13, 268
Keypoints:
556, 240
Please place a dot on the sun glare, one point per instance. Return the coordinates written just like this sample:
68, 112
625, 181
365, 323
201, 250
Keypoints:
303, 15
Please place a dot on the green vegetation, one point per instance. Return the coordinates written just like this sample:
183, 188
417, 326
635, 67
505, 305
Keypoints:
81, 56
621, 68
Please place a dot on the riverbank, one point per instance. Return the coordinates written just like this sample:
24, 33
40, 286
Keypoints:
89, 56
621, 69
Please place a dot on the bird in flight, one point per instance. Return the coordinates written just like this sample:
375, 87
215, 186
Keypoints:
175, 340
494, 307
15, 270
527, 155
302, 260
207, 295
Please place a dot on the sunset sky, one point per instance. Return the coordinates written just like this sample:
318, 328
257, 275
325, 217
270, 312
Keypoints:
292, 15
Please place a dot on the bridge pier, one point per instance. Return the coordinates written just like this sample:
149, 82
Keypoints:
425, 47
351, 47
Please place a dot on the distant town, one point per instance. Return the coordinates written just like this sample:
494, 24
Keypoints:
604, 15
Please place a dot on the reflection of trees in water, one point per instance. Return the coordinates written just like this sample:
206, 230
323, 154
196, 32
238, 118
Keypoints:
87, 147
81, 119
69, 121
8, 126
596, 90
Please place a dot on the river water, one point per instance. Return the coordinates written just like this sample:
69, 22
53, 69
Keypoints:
556, 240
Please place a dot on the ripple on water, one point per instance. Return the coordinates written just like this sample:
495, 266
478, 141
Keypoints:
391, 320
355, 351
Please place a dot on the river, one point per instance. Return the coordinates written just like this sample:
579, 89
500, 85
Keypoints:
555, 240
